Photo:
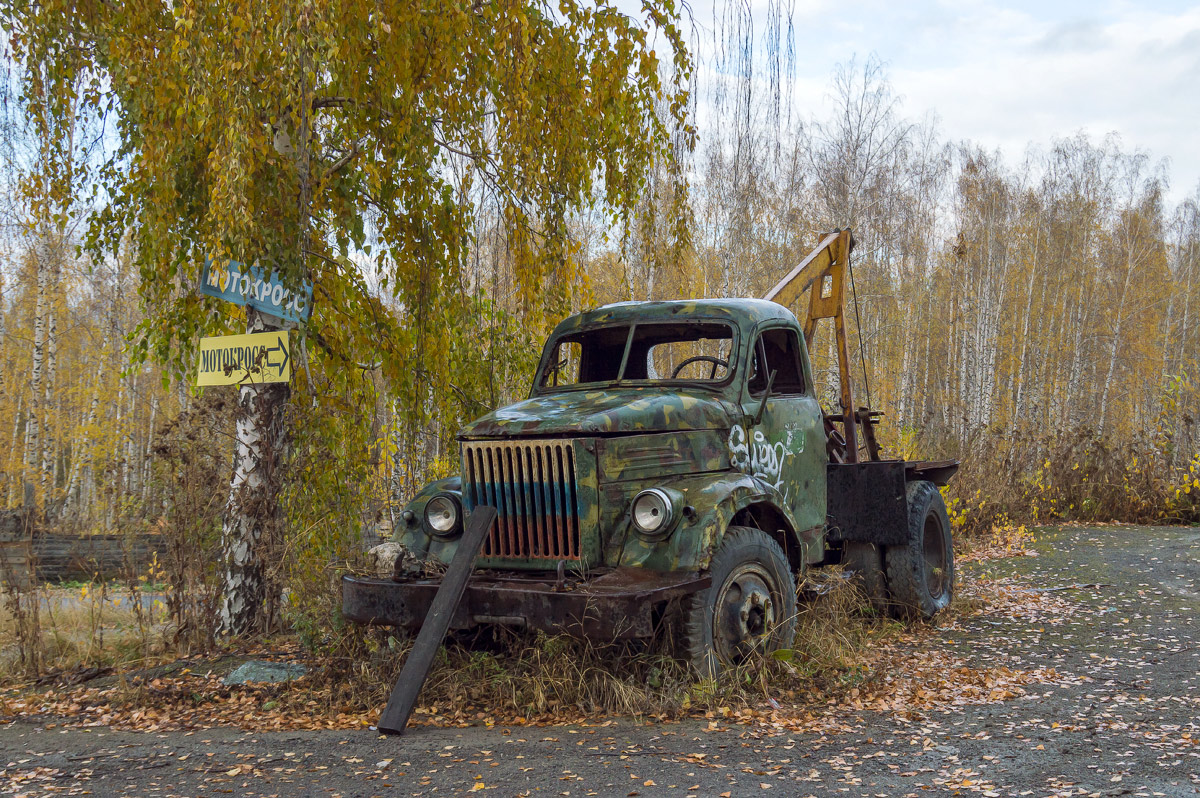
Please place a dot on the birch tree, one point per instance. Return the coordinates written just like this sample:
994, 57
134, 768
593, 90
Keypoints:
273, 132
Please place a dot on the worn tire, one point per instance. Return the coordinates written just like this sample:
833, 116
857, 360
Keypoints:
751, 579
920, 573
865, 560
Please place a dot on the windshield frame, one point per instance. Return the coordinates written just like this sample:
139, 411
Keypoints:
621, 382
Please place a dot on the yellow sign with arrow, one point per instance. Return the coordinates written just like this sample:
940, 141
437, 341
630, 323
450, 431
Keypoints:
254, 358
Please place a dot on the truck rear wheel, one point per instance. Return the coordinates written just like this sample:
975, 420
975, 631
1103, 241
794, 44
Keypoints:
749, 608
920, 573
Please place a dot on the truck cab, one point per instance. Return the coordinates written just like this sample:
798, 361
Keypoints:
671, 462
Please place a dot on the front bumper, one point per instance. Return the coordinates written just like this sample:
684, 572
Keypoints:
619, 604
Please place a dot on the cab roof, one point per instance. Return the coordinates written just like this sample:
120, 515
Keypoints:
742, 313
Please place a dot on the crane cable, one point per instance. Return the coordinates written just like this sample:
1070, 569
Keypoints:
862, 356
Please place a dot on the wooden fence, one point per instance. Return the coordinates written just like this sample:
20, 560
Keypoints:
54, 557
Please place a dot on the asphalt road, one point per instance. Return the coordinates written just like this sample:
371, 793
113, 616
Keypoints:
1121, 718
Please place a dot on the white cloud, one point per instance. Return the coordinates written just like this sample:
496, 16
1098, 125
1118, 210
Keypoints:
1009, 73
1007, 76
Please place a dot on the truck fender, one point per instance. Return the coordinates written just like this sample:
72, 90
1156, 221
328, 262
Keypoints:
713, 503
413, 536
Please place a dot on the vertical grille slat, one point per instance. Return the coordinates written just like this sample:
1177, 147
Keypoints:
510, 496
497, 485
510, 510
570, 517
530, 505
544, 507
554, 511
473, 491
532, 485
485, 471
522, 486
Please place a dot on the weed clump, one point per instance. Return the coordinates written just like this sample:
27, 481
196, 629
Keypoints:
1032, 477
509, 676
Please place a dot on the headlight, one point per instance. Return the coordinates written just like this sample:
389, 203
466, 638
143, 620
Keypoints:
652, 512
442, 515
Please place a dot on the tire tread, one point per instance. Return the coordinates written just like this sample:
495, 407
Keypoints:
905, 564
695, 642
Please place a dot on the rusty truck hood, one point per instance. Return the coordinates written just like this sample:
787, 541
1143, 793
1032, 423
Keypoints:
607, 412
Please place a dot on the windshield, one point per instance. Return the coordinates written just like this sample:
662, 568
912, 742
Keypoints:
692, 352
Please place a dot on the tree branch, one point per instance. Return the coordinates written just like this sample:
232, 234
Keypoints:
331, 102
341, 163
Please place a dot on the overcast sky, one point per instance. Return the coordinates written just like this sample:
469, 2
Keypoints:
1007, 74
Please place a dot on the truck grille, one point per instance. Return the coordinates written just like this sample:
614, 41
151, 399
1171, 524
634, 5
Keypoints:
532, 485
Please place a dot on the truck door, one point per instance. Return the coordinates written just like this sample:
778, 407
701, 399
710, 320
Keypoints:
786, 448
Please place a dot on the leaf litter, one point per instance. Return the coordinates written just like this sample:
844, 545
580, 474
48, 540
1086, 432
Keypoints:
905, 673
1018, 691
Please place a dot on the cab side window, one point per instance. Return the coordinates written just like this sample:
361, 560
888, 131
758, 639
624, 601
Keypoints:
782, 350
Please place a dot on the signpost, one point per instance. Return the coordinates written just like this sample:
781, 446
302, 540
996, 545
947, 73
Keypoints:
242, 285
255, 358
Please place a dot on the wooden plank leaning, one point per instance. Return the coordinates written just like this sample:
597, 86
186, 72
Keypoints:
433, 630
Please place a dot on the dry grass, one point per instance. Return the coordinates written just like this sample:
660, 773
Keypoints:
90, 626
1034, 477
500, 676
487, 677
843, 656
511, 677
514, 676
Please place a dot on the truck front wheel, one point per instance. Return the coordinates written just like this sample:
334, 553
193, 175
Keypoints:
749, 608
920, 572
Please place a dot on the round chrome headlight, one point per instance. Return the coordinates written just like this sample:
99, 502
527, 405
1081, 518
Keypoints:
652, 511
442, 515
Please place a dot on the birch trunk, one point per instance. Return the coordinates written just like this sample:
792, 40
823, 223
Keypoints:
127, 474
906, 366
252, 512
110, 515
1131, 262
4, 344
81, 451
997, 300
147, 453
14, 482
1071, 406
81, 460
49, 459
1018, 410
1181, 432
33, 423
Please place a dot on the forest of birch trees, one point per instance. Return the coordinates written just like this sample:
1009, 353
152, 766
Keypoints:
996, 300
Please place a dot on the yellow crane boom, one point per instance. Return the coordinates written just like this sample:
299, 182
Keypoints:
823, 274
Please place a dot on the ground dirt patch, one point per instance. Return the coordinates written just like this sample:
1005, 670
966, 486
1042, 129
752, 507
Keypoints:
1076, 675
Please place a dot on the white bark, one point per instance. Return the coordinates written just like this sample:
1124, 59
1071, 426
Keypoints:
81, 451
15, 480
33, 422
1132, 261
1019, 409
1190, 257
1072, 406
148, 452
252, 510
49, 460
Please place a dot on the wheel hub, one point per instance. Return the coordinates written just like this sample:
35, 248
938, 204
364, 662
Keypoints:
745, 612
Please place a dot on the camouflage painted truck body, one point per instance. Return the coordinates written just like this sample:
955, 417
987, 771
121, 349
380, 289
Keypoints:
743, 445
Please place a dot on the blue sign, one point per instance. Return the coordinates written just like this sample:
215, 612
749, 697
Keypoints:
235, 282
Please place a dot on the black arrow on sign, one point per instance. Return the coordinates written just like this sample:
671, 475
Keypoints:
282, 347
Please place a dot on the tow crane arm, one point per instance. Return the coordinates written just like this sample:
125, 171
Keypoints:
823, 274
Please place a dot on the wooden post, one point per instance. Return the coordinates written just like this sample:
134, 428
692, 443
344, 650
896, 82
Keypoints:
437, 622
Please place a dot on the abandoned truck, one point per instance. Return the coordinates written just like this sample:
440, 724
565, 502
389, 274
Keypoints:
672, 468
